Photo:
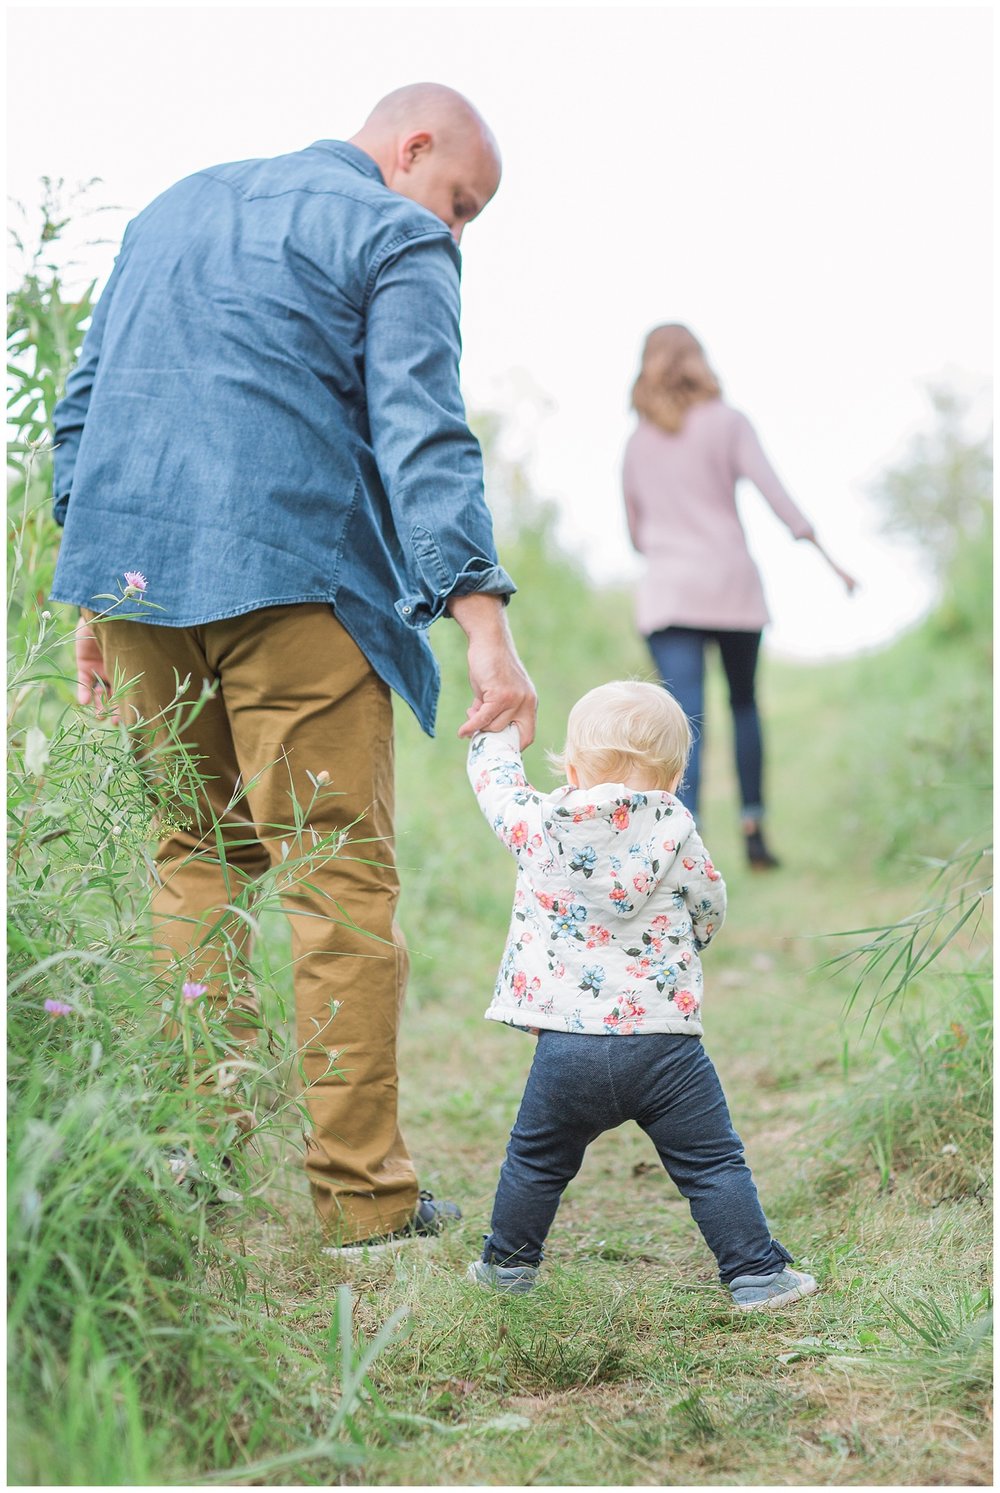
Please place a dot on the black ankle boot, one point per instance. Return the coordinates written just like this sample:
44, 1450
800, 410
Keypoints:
758, 855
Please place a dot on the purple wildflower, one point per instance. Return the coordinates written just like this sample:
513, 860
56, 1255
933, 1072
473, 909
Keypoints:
58, 1008
192, 991
135, 582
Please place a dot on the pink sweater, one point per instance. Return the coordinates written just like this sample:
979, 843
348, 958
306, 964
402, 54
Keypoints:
680, 497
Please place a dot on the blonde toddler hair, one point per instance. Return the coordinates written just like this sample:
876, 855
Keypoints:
626, 732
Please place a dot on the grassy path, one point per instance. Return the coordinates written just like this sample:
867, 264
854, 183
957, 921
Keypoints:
629, 1367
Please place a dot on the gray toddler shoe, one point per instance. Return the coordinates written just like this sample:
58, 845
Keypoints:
513, 1279
769, 1292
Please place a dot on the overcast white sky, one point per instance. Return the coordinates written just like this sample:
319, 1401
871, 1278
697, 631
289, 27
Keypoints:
807, 187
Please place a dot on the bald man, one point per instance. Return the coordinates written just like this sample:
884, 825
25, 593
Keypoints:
263, 451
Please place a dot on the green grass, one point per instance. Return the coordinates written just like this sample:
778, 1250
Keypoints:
156, 1343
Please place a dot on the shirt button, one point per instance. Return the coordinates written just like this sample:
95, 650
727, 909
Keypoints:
407, 611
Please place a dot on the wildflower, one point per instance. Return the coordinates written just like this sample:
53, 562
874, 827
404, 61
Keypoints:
322, 778
58, 1008
135, 583
191, 991
46, 616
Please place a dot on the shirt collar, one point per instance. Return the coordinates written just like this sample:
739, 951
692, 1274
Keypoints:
352, 156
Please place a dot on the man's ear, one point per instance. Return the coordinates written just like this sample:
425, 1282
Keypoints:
412, 148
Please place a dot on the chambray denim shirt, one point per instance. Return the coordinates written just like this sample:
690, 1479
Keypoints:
267, 410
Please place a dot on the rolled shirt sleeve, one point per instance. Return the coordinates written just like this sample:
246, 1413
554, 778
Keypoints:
429, 461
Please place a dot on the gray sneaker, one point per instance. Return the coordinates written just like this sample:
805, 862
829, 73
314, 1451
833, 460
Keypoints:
769, 1292
431, 1216
513, 1279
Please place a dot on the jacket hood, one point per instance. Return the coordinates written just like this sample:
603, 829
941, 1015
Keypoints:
616, 843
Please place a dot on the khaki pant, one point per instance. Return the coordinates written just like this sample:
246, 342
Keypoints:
295, 696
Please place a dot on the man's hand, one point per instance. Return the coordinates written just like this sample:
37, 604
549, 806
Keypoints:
501, 690
92, 682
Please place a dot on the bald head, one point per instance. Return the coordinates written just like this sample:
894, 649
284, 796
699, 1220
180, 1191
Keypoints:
432, 146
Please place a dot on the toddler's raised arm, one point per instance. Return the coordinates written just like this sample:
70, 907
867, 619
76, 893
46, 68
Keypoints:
703, 889
512, 807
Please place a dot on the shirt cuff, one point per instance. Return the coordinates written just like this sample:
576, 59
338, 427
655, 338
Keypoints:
479, 575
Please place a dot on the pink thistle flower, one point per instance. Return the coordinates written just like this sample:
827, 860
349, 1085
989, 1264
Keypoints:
58, 1008
135, 582
192, 991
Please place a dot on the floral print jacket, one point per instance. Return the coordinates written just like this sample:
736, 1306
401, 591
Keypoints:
615, 898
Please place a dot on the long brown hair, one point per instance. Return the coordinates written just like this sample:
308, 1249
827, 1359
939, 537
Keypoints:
674, 376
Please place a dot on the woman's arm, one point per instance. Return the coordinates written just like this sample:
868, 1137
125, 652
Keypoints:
752, 463
631, 501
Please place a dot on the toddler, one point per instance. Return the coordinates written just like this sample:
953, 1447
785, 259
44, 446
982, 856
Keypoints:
615, 899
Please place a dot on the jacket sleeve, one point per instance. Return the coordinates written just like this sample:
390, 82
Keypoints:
703, 890
751, 462
429, 460
513, 809
71, 411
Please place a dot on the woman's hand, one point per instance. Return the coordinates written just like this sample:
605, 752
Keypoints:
850, 584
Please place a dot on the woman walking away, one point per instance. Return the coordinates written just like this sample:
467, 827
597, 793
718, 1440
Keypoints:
700, 585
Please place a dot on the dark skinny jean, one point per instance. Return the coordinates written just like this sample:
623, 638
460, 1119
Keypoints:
679, 653
581, 1085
